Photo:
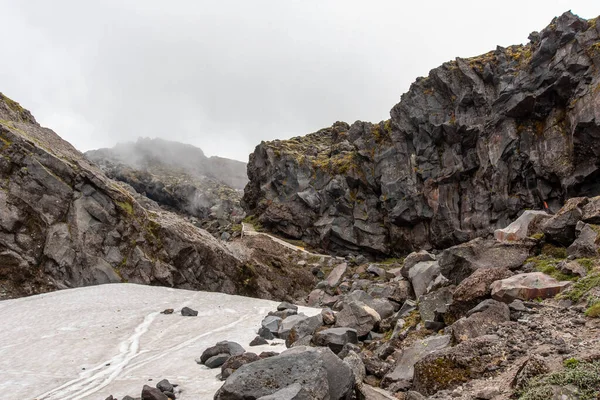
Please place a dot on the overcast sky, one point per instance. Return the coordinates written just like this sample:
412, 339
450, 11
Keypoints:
224, 75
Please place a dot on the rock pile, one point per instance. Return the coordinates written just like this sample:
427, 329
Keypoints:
459, 323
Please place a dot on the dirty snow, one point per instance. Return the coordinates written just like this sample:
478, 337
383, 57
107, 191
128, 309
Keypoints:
88, 343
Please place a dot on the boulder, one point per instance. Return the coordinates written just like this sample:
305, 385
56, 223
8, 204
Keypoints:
165, 386
591, 211
490, 314
561, 227
303, 329
459, 262
528, 286
435, 303
383, 307
272, 323
475, 288
452, 366
224, 347
396, 291
265, 333
320, 373
188, 312
288, 323
358, 316
287, 306
358, 368
586, 244
258, 341
217, 360
402, 374
328, 316
235, 362
335, 276
320, 298
421, 275
414, 258
376, 270
335, 338
150, 393
527, 224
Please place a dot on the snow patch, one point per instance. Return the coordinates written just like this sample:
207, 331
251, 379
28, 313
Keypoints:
92, 342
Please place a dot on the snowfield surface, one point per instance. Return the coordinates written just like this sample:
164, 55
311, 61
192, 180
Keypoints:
89, 343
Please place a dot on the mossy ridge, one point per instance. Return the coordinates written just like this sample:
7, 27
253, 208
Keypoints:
14, 106
585, 376
547, 262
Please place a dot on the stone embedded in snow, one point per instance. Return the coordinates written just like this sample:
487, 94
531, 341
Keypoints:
217, 360
188, 312
265, 333
522, 227
258, 341
272, 323
286, 306
335, 276
527, 286
223, 347
150, 393
335, 338
167, 311
165, 386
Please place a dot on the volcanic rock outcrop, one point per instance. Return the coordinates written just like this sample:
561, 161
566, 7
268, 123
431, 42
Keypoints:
465, 150
63, 223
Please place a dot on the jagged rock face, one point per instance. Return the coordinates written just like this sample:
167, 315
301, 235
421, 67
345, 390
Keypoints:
63, 223
466, 149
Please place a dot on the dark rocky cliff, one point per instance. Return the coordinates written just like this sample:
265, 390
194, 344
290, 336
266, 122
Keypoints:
465, 150
63, 223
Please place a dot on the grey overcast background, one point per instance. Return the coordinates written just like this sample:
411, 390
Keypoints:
224, 75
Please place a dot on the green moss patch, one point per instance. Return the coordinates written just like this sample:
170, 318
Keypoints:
548, 265
582, 376
580, 288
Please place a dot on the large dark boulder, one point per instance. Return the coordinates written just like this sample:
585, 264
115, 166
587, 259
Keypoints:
467, 149
320, 373
459, 262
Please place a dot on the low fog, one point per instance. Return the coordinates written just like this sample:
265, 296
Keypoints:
225, 75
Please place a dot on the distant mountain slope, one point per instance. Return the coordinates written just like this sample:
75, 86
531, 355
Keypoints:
180, 178
150, 152
466, 149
